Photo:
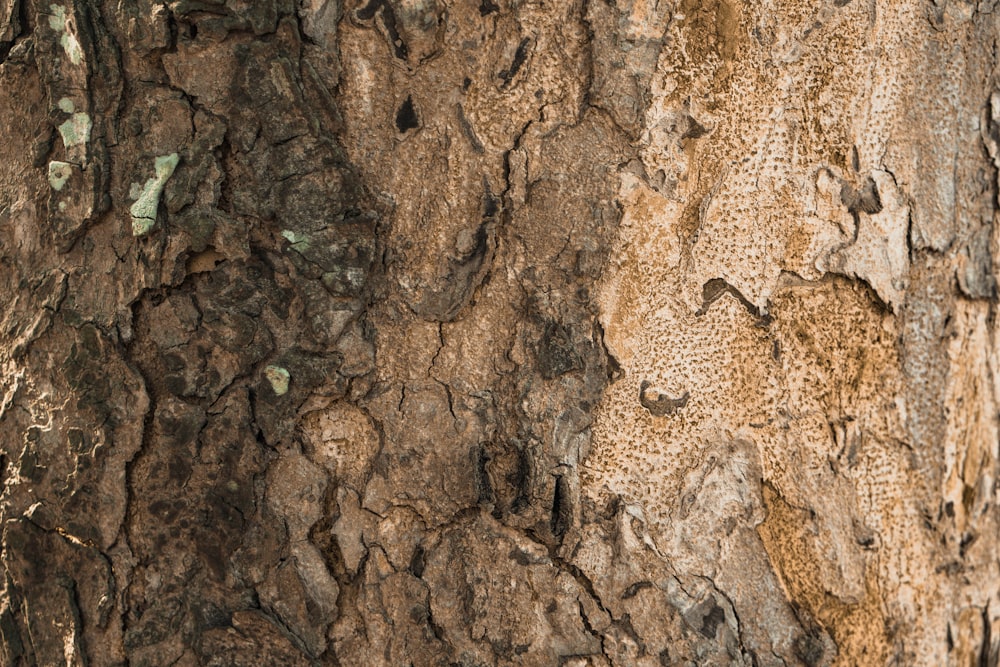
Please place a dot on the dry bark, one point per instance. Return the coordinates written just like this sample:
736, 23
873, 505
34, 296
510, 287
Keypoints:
426, 332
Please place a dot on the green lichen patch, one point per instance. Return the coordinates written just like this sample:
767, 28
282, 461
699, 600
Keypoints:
66, 105
278, 377
299, 242
57, 19
71, 45
72, 48
76, 130
143, 211
135, 191
59, 173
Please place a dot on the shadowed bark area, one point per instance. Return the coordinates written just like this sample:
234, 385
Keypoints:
427, 332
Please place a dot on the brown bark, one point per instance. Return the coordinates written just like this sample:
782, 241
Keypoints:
462, 333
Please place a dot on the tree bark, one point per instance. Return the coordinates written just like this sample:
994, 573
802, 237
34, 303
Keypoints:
509, 332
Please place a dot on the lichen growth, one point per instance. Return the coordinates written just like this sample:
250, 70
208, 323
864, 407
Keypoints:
76, 130
278, 377
299, 242
66, 105
143, 211
59, 173
69, 42
57, 19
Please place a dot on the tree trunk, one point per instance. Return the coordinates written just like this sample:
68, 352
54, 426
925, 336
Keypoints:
499, 332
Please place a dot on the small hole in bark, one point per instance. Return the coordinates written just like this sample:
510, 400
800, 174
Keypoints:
614, 368
367, 13
634, 589
418, 562
520, 55
487, 7
561, 508
485, 488
695, 130
406, 117
389, 23
865, 199
491, 205
521, 481
967, 540
712, 620
520, 557
658, 404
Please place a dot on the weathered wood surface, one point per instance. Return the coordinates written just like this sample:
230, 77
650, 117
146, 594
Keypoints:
443, 332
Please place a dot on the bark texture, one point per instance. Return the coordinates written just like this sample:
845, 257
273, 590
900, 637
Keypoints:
499, 332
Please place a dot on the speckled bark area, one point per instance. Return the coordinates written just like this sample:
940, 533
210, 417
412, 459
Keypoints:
427, 332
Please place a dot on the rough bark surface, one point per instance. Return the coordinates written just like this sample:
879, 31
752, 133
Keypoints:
440, 332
